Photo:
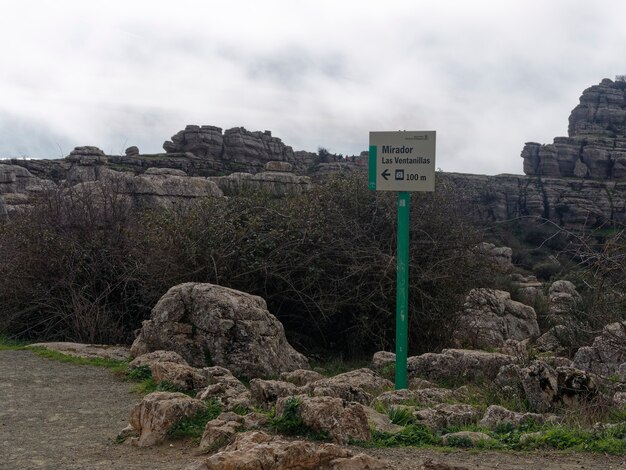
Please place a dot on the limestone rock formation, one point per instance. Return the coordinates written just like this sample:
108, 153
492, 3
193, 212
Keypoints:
277, 183
343, 421
238, 149
458, 364
497, 415
154, 416
17, 184
596, 145
489, 318
446, 415
256, 449
607, 355
358, 385
223, 386
206, 323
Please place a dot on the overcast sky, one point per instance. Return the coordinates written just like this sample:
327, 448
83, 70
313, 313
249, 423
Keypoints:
486, 75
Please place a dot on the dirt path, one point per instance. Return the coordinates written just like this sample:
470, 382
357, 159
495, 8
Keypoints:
65, 417
62, 416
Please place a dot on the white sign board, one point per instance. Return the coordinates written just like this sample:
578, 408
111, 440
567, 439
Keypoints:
402, 161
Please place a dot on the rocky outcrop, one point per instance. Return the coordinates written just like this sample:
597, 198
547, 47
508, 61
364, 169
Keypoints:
277, 183
237, 149
568, 202
258, 450
343, 421
596, 145
209, 324
607, 355
158, 412
446, 415
458, 365
17, 185
489, 318
224, 387
496, 416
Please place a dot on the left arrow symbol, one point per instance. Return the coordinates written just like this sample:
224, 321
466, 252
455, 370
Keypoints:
385, 174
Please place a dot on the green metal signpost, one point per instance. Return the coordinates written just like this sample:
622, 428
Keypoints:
402, 161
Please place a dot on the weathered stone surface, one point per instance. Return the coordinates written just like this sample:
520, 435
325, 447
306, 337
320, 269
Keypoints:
230, 328
500, 257
266, 392
425, 396
357, 385
458, 365
181, 376
258, 450
509, 380
497, 415
153, 357
226, 388
343, 421
158, 412
382, 359
235, 150
17, 185
280, 167
301, 377
88, 351
540, 382
380, 422
489, 317
607, 353
446, 415
575, 386
275, 183
218, 431
557, 339
132, 151
563, 299
596, 146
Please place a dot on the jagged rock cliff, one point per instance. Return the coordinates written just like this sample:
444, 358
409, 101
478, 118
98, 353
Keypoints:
596, 145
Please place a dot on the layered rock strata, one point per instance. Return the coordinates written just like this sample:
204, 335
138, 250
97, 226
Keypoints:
596, 144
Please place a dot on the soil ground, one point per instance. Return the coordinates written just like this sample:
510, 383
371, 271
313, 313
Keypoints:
62, 416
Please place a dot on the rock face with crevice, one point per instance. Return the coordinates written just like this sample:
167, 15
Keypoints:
596, 145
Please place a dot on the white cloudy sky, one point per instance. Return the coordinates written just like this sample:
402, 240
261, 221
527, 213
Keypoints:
486, 75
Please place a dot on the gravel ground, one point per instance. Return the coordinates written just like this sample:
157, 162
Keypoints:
62, 416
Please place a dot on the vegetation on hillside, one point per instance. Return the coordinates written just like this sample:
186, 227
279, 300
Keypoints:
82, 265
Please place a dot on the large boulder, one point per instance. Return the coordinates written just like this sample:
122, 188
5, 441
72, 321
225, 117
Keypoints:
489, 317
343, 421
607, 355
458, 365
214, 325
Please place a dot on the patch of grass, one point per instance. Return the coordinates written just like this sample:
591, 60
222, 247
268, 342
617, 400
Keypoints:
139, 373
460, 441
400, 416
114, 365
194, 427
413, 435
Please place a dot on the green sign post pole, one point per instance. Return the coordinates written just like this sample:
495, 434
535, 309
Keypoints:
402, 289
402, 161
